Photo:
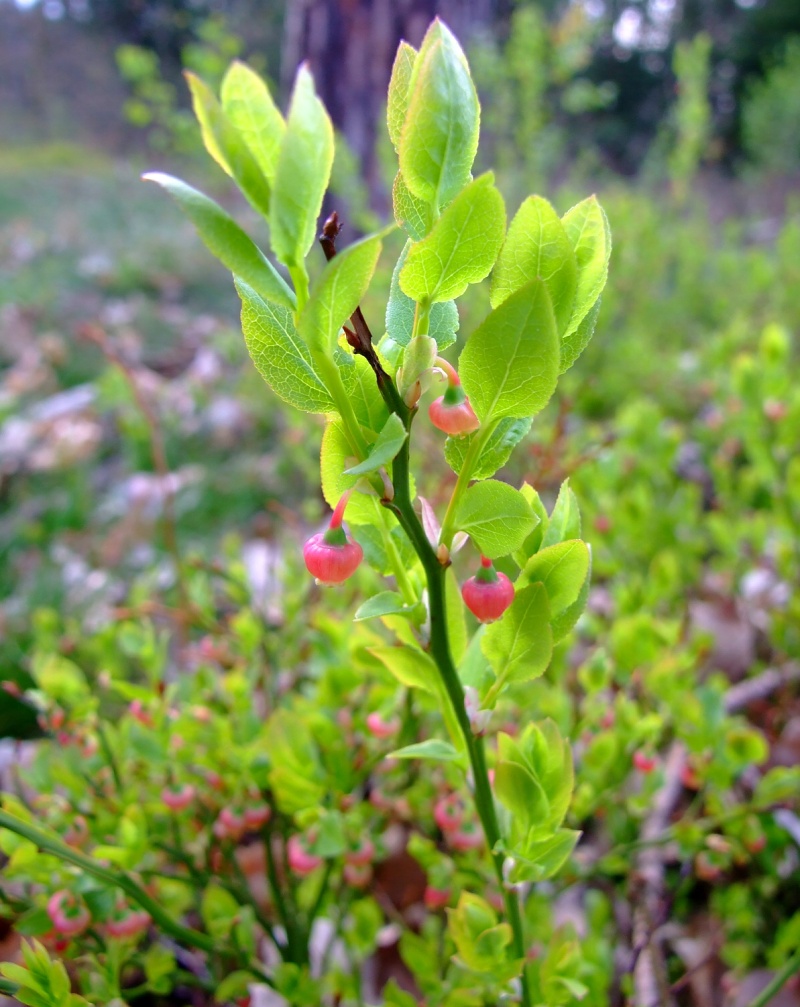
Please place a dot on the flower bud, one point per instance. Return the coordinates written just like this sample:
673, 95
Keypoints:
452, 412
380, 728
178, 798
301, 860
488, 594
331, 556
70, 917
436, 898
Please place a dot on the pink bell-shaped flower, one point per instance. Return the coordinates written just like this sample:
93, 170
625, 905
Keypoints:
489, 593
331, 556
452, 412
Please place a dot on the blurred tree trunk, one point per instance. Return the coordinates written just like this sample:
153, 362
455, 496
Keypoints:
350, 45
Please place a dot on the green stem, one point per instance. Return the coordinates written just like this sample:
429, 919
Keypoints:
422, 319
109, 754
398, 569
440, 651
299, 277
464, 476
777, 982
116, 878
332, 380
277, 895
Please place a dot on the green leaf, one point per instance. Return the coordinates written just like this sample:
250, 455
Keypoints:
509, 366
495, 452
537, 246
480, 941
218, 910
227, 147
565, 622
497, 517
227, 241
587, 229
461, 247
390, 440
575, 343
362, 389
383, 603
280, 355
544, 858
534, 541
331, 838
565, 521
301, 178
400, 313
33, 922
206, 110
397, 100
295, 774
562, 568
247, 103
412, 214
338, 292
362, 508
393, 996
235, 984
517, 788
412, 668
519, 645
440, 134
434, 749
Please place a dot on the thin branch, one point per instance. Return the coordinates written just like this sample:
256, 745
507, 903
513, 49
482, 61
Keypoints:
360, 337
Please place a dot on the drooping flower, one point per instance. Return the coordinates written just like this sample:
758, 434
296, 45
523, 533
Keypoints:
489, 593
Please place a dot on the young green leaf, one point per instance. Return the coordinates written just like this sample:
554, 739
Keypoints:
496, 451
302, 174
280, 355
434, 749
518, 789
497, 517
412, 214
509, 366
383, 603
412, 668
562, 568
461, 247
565, 521
573, 344
397, 100
534, 541
400, 313
440, 134
588, 232
227, 241
541, 859
363, 508
362, 390
338, 292
520, 645
565, 622
206, 111
227, 146
247, 103
537, 246
390, 440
